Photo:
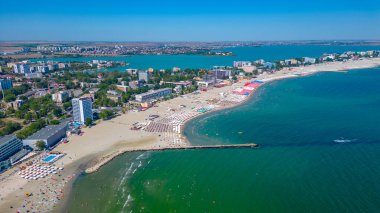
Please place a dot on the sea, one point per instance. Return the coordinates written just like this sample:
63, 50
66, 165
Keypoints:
319, 138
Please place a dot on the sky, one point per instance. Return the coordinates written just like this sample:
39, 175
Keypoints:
188, 20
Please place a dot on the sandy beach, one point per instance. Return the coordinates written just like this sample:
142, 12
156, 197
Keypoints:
108, 139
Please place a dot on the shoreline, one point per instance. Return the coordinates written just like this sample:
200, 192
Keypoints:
109, 139
188, 144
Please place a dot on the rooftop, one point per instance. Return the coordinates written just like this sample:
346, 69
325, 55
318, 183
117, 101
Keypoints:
6, 138
154, 91
48, 131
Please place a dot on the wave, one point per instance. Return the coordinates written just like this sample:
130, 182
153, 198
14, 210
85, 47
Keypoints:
344, 140
122, 181
141, 156
127, 201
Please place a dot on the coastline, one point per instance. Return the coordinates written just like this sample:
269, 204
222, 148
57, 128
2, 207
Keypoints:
109, 139
109, 158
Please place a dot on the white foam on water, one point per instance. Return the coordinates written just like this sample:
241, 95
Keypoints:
142, 156
127, 201
125, 176
134, 171
344, 140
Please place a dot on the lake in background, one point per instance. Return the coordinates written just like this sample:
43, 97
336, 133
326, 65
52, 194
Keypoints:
268, 53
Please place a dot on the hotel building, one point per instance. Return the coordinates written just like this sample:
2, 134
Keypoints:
9, 145
51, 135
5, 84
82, 109
153, 94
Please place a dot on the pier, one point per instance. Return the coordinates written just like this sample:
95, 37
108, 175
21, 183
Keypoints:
225, 146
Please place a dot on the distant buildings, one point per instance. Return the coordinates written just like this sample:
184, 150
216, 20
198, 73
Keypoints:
5, 84
42, 68
246, 66
33, 75
291, 62
15, 104
249, 69
122, 87
113, 95
328, 57
62, 65
82, 109
307, 60
176, 69
269, 65
153, 94
131, 71
220, 74
21, 67
51, 135
136, 84
240, 64
144, 75
60, 97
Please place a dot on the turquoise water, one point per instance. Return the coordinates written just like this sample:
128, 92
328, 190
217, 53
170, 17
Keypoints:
49, 158
300, 166
241, 53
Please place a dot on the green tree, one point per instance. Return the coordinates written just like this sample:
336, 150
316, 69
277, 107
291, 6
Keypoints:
88, 121
40, 145
67, 105
9, 98
57, 112
54, 122
9, 128
106, 114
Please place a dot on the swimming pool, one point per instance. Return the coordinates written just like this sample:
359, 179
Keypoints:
50, 158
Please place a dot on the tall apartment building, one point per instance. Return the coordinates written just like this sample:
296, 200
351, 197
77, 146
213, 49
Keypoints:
60, 97
21, 68
5, 84
82, 109
144, 75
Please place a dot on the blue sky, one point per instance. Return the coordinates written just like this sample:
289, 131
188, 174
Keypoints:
195, 20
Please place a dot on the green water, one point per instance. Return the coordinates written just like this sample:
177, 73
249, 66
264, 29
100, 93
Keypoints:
299, 167
269, 53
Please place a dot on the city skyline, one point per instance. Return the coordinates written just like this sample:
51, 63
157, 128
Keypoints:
189, 21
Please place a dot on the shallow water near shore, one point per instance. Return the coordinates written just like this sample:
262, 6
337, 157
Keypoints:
320, 148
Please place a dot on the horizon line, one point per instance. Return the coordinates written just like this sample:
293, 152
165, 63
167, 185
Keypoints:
215, 41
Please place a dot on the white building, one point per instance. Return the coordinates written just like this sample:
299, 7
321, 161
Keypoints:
60, 97
176, 69
153, 94
240, 64
21, 68
42, 68
144, 75
82, 109
50, 134
220, 73
307, 60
